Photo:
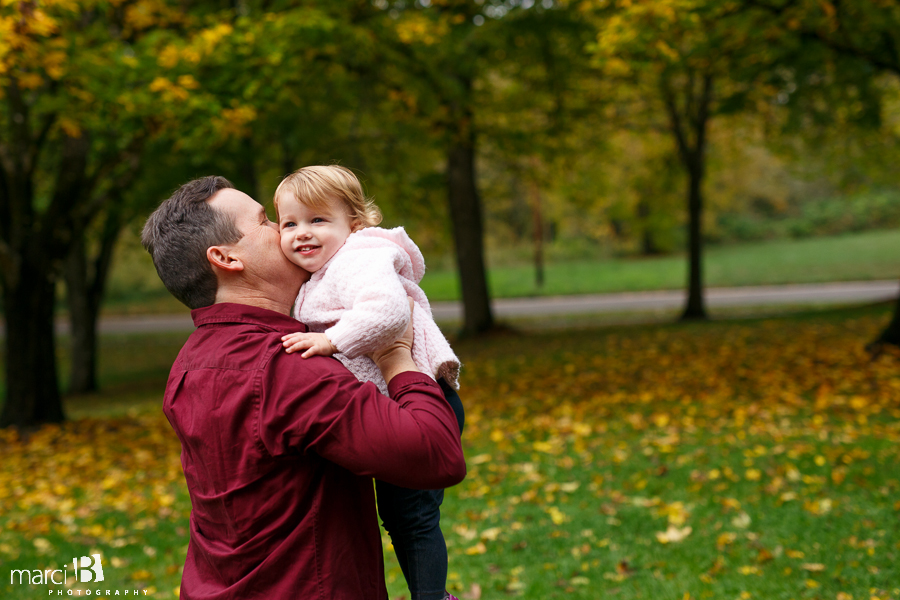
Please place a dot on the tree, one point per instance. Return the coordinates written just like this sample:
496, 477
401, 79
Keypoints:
76, 109
866, 31
436, 51
686, 60
540, 114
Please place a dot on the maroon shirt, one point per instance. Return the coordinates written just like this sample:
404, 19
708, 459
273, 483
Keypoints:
279, 453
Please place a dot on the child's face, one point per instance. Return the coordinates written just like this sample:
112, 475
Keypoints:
309, 238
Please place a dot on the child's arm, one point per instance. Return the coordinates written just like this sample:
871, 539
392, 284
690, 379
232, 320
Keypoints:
377, 309
315, 344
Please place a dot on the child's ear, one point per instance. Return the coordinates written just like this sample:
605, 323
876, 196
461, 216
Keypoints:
356, 225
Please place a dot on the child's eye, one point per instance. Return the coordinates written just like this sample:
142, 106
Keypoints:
287, 224
318, 220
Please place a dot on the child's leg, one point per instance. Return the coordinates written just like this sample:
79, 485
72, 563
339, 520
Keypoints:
455, 403
412, 518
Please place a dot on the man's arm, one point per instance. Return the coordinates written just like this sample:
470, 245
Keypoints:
316, 405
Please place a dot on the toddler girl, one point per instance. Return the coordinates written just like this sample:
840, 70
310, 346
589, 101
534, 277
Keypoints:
355, 302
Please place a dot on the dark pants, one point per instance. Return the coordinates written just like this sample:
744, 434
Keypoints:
413, 520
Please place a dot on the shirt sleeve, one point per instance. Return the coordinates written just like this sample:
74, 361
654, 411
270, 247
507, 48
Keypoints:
378, 311
316, 405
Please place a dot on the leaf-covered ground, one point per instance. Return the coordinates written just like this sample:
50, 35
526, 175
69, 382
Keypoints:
733, 460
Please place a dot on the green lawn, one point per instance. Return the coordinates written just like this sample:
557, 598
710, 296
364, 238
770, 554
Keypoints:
860, 256
735, 459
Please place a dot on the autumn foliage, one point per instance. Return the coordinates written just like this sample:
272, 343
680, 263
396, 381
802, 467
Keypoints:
725, 460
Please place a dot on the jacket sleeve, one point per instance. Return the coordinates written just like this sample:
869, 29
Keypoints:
377, 309
316, 406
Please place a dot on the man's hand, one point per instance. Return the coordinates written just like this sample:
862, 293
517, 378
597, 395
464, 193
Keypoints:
315, 344
396, 358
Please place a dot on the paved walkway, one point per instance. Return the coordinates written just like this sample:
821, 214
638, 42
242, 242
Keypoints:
823, 294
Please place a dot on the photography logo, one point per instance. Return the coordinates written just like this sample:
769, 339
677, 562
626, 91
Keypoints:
90, 571
87, 569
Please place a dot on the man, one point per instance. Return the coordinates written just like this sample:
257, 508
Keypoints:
278, 451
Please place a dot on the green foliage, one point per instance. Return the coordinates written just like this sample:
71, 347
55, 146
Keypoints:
829, 216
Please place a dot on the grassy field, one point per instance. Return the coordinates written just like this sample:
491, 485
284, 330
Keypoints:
860, 256
737, 460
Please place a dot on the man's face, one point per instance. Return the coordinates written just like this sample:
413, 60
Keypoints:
260, 247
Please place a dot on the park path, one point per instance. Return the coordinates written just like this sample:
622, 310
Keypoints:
818, 294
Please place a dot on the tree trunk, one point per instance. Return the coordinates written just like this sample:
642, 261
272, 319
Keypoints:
85, 278
538, 234
465, 214
83, 320
695, 308
649, 247
32, 395
891, 333
246, 176
687, 122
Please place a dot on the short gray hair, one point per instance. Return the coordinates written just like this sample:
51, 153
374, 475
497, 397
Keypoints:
179, 232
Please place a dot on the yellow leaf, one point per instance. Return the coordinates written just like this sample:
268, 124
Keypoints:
479, 459
673, 534
725, 539
742, 520
478, 548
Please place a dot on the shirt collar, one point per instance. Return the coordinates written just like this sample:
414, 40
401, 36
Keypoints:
229, 312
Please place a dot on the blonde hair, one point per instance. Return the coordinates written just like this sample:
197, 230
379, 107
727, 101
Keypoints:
318, 187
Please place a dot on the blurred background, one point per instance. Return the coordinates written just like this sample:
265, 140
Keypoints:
594, 150
532, 148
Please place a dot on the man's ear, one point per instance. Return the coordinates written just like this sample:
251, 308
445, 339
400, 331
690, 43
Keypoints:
222, 257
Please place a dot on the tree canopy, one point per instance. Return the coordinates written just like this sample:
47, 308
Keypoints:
563, 119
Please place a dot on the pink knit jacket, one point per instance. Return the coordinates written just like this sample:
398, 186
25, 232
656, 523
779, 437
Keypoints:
358, 299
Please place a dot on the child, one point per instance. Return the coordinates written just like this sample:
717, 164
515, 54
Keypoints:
355, 302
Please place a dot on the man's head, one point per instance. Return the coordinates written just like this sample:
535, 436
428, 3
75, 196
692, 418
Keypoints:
178, 234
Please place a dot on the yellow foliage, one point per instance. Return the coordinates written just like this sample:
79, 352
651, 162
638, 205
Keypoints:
417, 28
188, 82
168, 57
28, 81
209, 38
70, 126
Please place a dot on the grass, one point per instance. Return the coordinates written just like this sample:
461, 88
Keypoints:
134, 287
739, 459
859, 256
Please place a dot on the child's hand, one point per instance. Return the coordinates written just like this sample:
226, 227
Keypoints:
315, 344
